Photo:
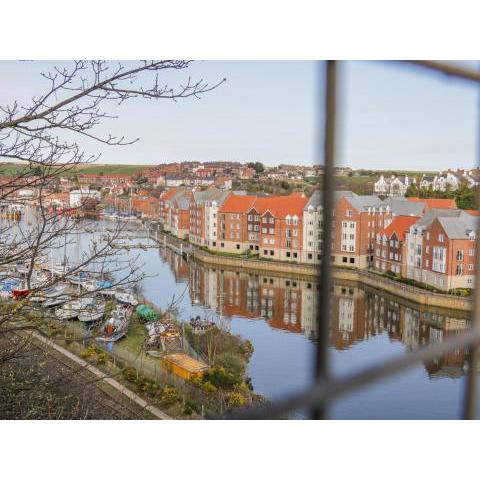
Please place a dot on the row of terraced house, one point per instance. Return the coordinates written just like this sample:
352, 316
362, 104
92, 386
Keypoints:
428, 240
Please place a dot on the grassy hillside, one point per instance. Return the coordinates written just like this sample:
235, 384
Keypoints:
95, 168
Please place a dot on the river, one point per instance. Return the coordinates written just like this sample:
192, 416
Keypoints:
277, 313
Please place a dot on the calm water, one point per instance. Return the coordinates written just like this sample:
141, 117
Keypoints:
277, 315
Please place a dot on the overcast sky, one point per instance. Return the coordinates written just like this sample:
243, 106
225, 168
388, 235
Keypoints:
390, 117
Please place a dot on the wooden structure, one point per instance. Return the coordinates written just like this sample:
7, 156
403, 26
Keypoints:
184, 366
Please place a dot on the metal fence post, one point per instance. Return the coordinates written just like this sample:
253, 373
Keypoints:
325, 279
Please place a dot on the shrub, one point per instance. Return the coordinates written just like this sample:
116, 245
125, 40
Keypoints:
129, 374
102, 358
235, 400
220, 378
208, 387
232, 363
461, 292
190, 407
169, 395
88, 352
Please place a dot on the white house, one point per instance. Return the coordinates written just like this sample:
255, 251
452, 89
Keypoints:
392, 187
77, 196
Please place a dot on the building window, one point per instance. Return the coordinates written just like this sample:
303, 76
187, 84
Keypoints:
309, 256
441, 237
352, 260
288, 254
214, 244
459, 254
272, 252
265, 252
459, 270
295, 255
470, 266
222, 245
238, 246
344, 259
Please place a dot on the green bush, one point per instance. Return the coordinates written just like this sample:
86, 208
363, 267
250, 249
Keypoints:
220, 378
233, 364
461, 292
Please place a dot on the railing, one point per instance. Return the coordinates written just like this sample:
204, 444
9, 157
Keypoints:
325, 388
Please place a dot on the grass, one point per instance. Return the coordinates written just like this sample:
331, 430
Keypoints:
10, 168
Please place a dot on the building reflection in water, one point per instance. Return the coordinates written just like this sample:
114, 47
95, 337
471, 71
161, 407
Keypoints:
358, 313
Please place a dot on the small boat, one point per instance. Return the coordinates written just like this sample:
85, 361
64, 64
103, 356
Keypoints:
20, 291
126, 298
78, 279
72, 309
93, 311
117, 325
55, 291
55, 301
97, 285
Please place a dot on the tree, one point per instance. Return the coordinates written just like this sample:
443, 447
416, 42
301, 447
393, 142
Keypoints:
43, 136
257, 166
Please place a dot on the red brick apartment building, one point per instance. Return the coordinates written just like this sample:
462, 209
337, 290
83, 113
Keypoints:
390, 246
357, 219
441, 249
269, 226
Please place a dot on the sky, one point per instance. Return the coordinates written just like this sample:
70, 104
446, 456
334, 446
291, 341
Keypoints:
390, 116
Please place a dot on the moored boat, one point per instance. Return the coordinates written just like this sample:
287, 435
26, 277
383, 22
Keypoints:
92, 312
72, 309
117, 325
126, 298
55, 301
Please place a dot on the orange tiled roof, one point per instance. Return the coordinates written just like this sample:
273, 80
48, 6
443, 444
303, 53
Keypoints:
476, 213
238, 203
170, 193
400, 225
435, 202
282, 205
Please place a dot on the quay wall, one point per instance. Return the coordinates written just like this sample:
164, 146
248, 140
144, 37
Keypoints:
374, 280
409, 292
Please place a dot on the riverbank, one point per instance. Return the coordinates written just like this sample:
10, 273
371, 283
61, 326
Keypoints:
409, 292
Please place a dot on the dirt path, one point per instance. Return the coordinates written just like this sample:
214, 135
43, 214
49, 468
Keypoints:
99, 374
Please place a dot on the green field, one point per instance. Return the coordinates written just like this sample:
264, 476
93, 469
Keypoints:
94, 168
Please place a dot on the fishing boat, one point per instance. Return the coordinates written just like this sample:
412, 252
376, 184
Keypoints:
126, 298
56, 301
93, 311
117, 325
72, 309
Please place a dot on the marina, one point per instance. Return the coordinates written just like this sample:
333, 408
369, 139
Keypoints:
274, 312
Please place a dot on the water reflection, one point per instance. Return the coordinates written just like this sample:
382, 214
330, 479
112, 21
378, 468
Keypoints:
358, 313
366, 326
